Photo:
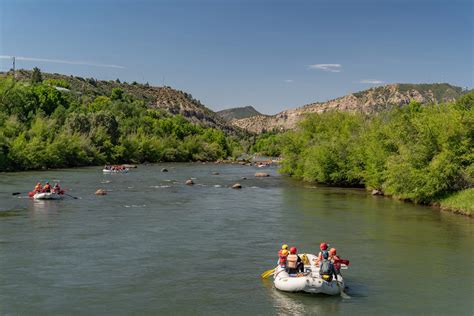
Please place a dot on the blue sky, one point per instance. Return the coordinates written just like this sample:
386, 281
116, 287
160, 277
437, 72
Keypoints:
270, 54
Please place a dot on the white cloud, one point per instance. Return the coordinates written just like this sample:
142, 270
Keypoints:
327, 67
371, 81
289, 80
61, 61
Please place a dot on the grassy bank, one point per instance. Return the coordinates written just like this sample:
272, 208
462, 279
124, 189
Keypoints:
461, 202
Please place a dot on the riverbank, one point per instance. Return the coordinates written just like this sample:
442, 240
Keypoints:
461, 202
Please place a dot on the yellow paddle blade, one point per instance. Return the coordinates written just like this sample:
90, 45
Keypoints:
305, 259
267, 273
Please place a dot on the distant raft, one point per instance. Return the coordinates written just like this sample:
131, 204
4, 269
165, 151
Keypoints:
125, 170
310, 281
47, 196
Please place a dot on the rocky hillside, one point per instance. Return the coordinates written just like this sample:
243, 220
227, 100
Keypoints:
238, 113
171, 100
368, 101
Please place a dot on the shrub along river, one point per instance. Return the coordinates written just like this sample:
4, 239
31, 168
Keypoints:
155, 245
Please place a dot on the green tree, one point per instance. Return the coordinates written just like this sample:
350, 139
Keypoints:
36, 76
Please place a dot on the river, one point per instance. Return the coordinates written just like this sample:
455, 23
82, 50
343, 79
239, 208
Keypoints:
154, 245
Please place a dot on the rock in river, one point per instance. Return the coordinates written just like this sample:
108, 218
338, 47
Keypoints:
189, 182
237, 186
100, 192
262, 174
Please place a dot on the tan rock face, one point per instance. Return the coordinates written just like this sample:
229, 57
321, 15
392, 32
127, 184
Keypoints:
369, 101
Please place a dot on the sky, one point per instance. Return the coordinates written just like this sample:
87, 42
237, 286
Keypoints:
273, 55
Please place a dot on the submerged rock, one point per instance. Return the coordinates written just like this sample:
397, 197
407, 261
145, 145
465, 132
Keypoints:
164, 170
262, 174
189, 182
237, 186
100, 192
215, 173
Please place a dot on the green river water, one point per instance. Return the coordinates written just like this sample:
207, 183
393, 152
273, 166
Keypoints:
156, 246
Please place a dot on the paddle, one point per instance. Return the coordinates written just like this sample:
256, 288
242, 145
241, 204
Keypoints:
267, 273
342, 261
16, 193
75, 198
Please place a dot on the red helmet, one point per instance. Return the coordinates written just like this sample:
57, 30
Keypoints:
323, 246
293, 250
332, 251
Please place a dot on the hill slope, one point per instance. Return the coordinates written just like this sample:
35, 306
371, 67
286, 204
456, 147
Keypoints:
238, 113
368, 101
169, 99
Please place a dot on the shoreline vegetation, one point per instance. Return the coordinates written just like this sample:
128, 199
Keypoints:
44, 124
417, 153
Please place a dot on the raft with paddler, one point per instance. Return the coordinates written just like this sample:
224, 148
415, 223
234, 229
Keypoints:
308, 272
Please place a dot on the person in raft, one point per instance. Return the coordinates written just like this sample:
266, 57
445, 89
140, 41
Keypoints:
293, 262
38, 187
336, 261
57, 188
47, 187
324, 249
326, 269
282, 254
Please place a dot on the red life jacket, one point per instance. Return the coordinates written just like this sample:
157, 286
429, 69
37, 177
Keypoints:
282, 257
337, 262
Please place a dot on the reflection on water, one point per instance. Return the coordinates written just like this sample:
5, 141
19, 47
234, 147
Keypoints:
301, 303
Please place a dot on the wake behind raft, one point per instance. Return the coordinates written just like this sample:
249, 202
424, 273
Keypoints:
309, 281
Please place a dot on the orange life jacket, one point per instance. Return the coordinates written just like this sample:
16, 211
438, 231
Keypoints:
38, 188
47, 187
292, 261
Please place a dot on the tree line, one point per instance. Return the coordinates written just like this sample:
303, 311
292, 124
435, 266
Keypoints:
45, 125
418, 152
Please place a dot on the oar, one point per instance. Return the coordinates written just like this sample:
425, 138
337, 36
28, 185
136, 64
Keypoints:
75, 198
267, 273
16, 193
341, 290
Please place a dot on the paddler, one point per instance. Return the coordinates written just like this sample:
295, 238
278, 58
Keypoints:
324, 249
335, 260
282, 254
294, 263
326, 269
47, 187
57, 188
38, 187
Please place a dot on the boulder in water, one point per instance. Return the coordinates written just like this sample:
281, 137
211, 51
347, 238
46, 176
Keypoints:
215, 173
164, 170
262, 174
377, 192
189, 182
237, 186
100, 192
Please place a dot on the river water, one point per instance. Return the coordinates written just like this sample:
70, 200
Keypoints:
156, 246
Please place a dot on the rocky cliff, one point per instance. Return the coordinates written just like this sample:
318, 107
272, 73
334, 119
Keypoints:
368, 101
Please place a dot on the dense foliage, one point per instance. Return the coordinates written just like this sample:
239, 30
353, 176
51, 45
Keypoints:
419, 153
45, 125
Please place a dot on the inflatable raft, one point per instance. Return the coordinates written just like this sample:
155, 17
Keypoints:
310, 281
47, 196
115, 171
